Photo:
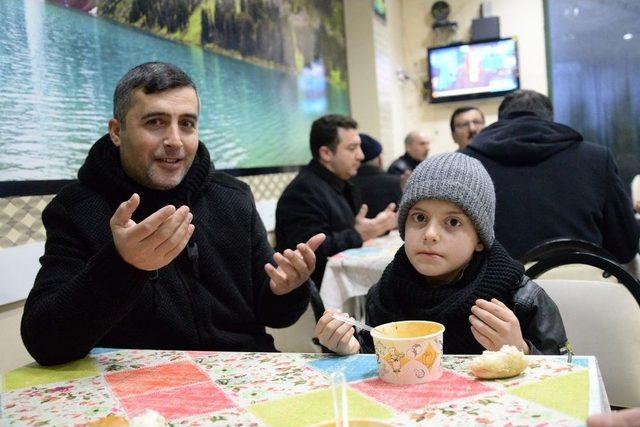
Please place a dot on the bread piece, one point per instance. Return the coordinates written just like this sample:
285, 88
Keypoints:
148, 418
110, 421
505, 363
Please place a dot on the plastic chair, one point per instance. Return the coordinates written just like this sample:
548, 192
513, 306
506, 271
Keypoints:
560, 246
563, 245
602, 319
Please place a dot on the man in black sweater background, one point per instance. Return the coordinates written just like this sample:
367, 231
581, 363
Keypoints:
115, 272
550, 183
321, 198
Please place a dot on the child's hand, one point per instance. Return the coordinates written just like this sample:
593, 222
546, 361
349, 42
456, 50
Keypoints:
494, 325
337, 336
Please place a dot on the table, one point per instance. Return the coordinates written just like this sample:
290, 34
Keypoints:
352, 272
281, 389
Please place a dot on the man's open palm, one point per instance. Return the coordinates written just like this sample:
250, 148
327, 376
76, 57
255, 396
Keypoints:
156, 240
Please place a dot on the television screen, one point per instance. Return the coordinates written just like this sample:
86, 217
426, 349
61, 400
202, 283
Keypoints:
473, 70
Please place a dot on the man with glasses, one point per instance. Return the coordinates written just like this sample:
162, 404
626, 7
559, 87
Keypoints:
466, 123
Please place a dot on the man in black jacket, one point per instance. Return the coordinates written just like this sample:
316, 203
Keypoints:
124, 279
416, 145
377, 187
550, 184
320, 199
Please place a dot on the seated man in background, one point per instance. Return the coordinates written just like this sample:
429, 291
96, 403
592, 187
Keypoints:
321, 199
377, 187
115, 272
465, 124
550, 183
416, 145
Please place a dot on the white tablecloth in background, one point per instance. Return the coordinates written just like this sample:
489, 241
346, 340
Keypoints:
352, 272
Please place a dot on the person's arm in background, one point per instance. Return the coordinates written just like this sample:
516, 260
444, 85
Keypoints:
625, 418
620, 233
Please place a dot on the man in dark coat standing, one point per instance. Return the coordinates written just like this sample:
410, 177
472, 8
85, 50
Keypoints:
377, 187
550, 183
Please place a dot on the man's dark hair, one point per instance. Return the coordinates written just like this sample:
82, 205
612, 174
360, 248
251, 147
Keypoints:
527, 101
462, 110
324, 131
151, 77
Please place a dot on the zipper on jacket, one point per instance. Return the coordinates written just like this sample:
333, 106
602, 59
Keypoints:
192, 253
188, 281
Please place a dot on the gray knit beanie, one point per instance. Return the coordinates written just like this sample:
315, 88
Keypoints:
458, 179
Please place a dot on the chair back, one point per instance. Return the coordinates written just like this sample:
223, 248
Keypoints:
603, 319
575, 272
608, 267
563, 245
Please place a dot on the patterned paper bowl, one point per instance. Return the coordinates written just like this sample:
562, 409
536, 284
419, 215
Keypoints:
408, 352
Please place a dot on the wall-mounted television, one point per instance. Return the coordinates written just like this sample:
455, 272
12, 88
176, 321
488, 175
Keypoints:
473, 70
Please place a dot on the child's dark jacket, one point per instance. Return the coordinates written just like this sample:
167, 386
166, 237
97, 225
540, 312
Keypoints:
403, 294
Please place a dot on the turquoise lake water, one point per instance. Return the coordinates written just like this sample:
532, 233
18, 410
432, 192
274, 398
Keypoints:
58, 69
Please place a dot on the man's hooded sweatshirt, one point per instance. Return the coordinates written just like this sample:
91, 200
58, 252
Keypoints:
550, 184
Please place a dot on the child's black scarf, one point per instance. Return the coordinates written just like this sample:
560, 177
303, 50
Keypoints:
403, 294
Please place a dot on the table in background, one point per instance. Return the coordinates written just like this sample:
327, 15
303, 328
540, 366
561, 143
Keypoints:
279, 389
350, 274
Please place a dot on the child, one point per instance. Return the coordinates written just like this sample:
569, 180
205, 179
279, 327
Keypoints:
451, 270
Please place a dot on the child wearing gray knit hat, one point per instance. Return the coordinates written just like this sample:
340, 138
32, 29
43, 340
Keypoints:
451, 270
456, 178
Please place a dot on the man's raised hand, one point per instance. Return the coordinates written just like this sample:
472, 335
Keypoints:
374, 227
156, 240
294, 267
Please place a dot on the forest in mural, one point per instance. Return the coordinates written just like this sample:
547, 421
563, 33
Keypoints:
286, 34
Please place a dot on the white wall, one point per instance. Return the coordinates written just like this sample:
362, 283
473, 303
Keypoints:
20, 265
374, 53
363, 92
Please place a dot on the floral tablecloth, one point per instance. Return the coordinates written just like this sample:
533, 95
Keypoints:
352, 272
290, 389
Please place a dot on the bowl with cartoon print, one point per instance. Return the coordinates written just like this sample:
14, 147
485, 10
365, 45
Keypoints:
409, 352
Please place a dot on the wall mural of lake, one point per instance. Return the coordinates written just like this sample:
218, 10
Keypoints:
264, 69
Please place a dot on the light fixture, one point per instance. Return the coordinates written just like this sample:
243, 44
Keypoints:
628, 36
